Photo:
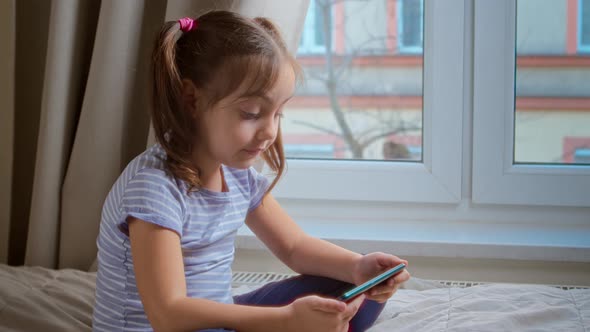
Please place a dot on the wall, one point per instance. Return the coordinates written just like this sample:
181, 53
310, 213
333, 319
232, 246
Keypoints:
541, 26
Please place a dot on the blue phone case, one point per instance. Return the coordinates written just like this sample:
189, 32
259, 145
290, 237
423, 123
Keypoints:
358, 290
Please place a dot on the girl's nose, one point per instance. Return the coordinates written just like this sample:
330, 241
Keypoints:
268, 131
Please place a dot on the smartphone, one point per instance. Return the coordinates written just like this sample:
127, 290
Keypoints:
358, 290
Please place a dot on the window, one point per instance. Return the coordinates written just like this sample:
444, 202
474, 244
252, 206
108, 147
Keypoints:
549, 101
507, 172
410, 25
584, 26
469, 191
582, 156
364, 104
313, 38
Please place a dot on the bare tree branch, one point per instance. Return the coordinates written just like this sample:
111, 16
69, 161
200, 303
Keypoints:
336, 67
320, 128
331, 83
347, 59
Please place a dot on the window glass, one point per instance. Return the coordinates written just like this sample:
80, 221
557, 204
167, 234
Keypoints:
362, 95
552, 111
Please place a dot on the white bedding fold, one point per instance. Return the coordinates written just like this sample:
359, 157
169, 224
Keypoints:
39, 299
491, 307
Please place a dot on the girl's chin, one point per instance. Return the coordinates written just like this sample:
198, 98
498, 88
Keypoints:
241, 164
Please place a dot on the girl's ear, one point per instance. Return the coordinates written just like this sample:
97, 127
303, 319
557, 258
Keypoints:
189, 96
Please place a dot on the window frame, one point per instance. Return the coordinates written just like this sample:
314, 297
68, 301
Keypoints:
499, 180
438, 178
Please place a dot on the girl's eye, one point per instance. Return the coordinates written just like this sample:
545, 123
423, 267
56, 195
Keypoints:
250, 115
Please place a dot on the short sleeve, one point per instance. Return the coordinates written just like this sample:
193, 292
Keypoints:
153, 196
259, 184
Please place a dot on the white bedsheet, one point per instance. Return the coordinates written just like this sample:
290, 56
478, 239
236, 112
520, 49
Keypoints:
491, 307
426, 306
38, 299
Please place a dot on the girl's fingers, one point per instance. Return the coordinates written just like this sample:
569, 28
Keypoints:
384, 290
353, 306
382, 298
402, 277
328, 305
391, 282
386, 287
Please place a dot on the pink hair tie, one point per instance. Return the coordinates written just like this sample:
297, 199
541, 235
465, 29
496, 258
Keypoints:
187, 24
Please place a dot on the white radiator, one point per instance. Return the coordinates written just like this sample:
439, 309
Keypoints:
243, 278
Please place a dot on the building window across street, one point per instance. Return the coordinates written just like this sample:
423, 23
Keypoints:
410, 25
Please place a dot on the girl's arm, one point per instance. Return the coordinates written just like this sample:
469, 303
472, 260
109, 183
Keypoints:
159, 274
302, 253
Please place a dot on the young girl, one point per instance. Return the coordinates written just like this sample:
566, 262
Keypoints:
166, 241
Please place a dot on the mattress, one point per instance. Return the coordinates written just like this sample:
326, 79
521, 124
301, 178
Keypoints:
39, 299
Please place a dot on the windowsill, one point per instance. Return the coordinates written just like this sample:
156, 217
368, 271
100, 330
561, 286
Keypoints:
451, 240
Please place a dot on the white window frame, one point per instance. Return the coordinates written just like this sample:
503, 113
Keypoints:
438, 178
498, 180
400, 28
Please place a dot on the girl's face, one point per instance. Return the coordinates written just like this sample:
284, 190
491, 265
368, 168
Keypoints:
239, 128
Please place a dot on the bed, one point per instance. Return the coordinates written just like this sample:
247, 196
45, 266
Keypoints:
39, 299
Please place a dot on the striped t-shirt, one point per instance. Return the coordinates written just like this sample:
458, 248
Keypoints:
206, 221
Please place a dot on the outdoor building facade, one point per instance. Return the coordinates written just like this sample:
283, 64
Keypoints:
363, 91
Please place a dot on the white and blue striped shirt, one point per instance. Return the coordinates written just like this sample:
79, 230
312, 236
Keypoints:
206, 221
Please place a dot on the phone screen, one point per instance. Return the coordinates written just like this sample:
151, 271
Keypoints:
358, 290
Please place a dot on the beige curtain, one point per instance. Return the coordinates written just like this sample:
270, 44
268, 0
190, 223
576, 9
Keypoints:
79, 115
6, 119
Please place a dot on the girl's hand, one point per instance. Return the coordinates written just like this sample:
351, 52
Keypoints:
314, 313
369, 266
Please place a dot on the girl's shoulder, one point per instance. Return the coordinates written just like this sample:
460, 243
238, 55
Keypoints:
152, 157
151, 162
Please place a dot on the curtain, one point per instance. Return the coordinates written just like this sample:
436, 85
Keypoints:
6, 119
81, 70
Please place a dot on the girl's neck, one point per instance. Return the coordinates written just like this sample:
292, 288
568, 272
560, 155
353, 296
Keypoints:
213, 180
210, 171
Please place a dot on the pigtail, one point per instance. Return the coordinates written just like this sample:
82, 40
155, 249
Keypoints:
172, 125
166, 85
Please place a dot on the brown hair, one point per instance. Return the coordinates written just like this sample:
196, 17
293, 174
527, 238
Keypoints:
224, 45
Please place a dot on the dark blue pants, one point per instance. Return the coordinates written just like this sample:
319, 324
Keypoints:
283, 292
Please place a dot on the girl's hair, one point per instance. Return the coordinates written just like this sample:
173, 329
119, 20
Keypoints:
224, 52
